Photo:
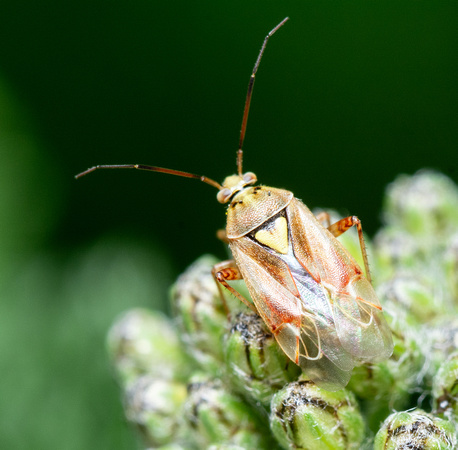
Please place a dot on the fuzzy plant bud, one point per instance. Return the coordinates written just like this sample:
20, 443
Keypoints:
389, 384
201, 313
425, 205
168, 447
225, 447
303, 416
441, 342
394, 248
421, 215
256, 365
145, 342
153, 406
450, 264
415, 429
414, 294
217, 417
445, 389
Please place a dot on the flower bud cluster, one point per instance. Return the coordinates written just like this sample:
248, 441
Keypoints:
215, 377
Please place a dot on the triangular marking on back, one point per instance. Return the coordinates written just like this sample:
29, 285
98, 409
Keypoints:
275, 236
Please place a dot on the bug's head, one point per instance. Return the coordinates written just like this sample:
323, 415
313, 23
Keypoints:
234, 184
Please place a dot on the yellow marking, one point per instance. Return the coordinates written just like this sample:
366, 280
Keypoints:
276, 236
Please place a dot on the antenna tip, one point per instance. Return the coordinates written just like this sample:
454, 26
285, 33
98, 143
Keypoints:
79, 175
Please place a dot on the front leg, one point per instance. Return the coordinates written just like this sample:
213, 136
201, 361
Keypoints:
224, 272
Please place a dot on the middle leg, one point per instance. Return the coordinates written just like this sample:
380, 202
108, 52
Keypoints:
224, 272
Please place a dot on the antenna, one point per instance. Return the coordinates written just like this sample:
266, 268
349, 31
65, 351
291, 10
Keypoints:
246, 110
153, 169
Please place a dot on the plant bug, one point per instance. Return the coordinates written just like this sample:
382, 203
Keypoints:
308, 289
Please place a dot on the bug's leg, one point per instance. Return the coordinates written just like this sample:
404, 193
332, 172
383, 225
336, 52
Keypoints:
223, 272
345, 224
222, 236
324, 218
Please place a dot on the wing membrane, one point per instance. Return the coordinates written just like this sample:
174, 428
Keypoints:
317, 308
359, 323
362, 329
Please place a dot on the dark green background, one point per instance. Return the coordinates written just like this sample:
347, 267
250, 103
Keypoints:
348, 95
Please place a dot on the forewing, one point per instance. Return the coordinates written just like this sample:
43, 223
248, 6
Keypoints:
356, 312
270, 284
317, 250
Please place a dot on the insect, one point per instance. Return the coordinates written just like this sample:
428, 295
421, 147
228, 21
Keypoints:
308, 289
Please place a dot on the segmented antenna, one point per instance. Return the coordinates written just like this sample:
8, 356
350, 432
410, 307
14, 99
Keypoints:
249, 93
152, 169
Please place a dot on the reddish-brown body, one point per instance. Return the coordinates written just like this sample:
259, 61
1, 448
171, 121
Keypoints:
308, 289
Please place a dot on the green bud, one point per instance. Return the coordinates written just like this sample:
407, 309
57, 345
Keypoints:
418, 248
425, 205
169, 447
216, 416
412, 295
394, 248
450, 264
303, 416
415, 430
389, 384
441, 342
201, 313
153, 406
145, 342
225, 447
445, 389
256, 365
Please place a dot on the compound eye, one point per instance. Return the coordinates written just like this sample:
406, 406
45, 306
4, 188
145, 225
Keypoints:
249, 178
224, 195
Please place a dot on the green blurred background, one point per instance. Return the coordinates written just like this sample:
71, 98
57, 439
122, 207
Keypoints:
348, 96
